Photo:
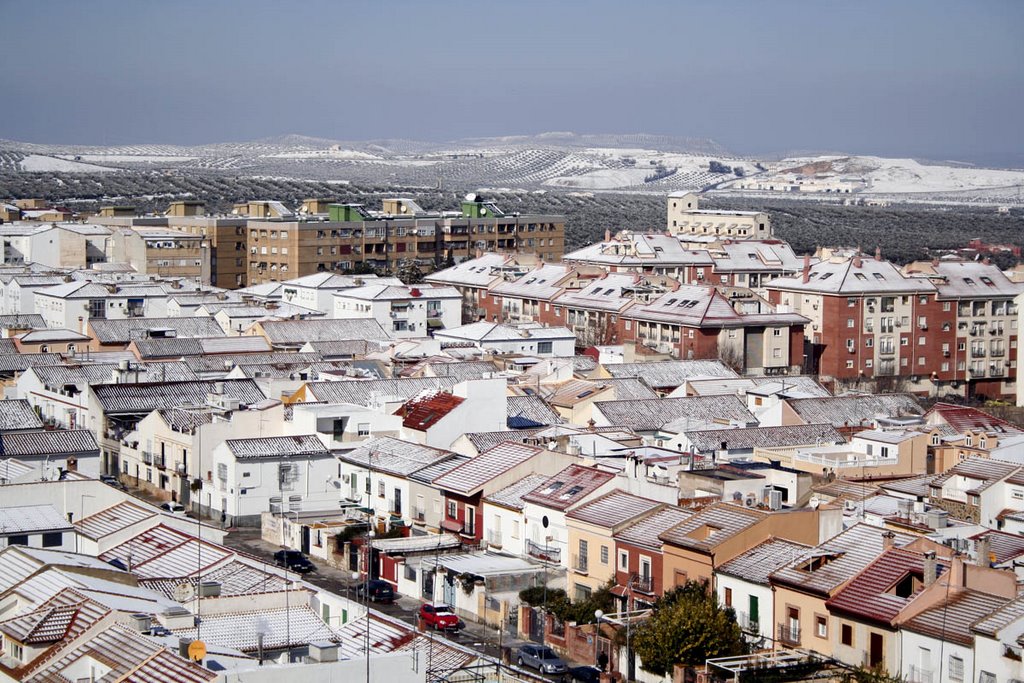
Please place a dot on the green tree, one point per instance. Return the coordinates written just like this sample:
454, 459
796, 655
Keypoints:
687, 627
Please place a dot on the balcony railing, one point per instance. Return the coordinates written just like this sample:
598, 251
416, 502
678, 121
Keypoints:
579, 564
642, 584
548, 553
419, 514
789, 635
746, 623
147, 458
494, 538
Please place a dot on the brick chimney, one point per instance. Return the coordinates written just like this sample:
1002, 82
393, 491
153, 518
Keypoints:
983, 548
857, 263
931, 568
878, 253
607, 235
807, 268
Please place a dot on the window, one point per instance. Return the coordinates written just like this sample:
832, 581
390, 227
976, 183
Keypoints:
453, 511
986, 677
955, 668
18, 539
821, 626
363, 429
850, 322
14, 648
380, 488
604, 554
776, 331
846, 635
727, 597
544, 347
623, 561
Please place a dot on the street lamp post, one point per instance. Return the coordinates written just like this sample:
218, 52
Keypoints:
598, 615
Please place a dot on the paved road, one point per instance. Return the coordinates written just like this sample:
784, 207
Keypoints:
477, 636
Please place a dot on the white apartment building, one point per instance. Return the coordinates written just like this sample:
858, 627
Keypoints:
403, 311
684, 217
72, 305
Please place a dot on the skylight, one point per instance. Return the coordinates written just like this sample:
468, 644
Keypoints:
860, 276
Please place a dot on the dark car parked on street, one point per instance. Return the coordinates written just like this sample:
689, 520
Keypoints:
378, 589
294, 561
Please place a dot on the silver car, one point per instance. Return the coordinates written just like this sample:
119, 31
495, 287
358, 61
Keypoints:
542, 658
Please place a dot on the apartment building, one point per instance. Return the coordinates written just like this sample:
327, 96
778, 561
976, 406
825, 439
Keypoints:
685, 216
950, 331
161, 251
403, 311
401, 234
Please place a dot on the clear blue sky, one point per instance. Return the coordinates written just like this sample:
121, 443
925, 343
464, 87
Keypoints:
927, 78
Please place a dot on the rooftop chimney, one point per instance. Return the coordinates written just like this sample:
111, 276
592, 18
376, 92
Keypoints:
931, 568
857, 263
888, 540
607, 235
983, 548
807, 268
878, 253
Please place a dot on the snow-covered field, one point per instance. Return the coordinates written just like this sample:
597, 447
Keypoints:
908, 176
38, 162
131, 158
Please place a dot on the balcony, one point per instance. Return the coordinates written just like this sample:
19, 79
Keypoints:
642, 584
579, 564
494, 538
746, 623
160, 461
789, 635
147, 458
547, 553
920, 675
419, 515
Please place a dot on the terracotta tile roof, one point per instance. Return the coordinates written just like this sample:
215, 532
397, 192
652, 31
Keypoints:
985, 471
41, 626
759, 562
474, 474
614, 509
874, 593
1005, 546
964, 418
951, 620
1000, 618
827, 566
712, 526
426, 410
568, 487
853, 411
644, 533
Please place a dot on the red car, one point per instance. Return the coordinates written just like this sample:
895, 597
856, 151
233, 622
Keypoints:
440, 617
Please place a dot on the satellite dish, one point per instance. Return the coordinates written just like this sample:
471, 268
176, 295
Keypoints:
471, 197
483, 211
814, 502
196, 650
403, 208
183, 592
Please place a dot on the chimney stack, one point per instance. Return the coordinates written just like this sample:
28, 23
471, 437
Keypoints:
807, 268
888, 540
878, 253
857, 262
983, 548
607, 235
931, 568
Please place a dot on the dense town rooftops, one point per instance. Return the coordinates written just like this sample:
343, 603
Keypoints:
299, 332
756, 564
882, 589
117, 399
985, 471
644, 533
648, 415
712, 526
964, 419
568, 487
827, 566
670, 374
630, 250
126, 330
749, 438
17, 413
365, 392
853, 411
745, 256
58, 377
853, 277
613, 509
511, 497
473, 475
304, 446
18, 362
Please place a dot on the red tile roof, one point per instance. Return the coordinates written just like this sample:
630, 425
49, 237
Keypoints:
423, 412
568, 487
963, 418
870, 595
